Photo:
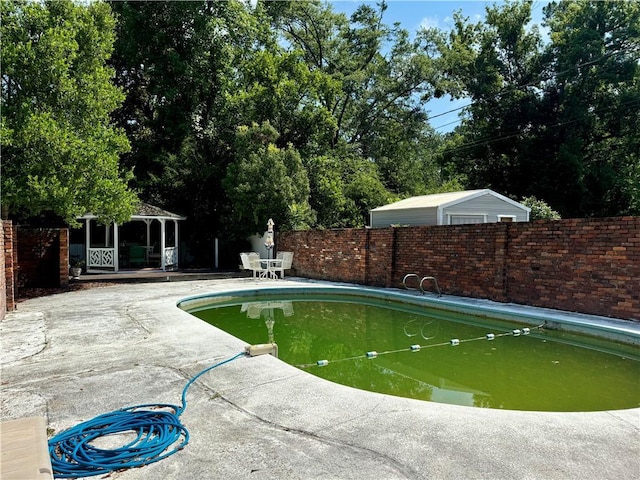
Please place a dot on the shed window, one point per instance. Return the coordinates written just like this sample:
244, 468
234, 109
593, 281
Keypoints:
506, 218
466, 219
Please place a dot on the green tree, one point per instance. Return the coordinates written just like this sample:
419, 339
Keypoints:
365, 191
540, 210
344, 187
264, 182
374, 82
594, 97
497, 65
346, 95
196, 71
181, 65
328, 196
60, 150
278, 87
557, 121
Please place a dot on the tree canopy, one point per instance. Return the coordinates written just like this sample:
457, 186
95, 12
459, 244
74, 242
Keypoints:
236, 112
556, 121
197, 73
60, 151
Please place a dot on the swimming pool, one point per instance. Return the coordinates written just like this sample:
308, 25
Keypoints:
425, 348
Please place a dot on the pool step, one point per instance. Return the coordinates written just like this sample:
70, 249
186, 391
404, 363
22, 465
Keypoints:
24, 450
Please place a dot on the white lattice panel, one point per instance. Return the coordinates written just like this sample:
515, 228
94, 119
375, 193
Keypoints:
170, 257
101, 257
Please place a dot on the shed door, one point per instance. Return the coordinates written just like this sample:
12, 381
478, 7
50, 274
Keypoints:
465, 219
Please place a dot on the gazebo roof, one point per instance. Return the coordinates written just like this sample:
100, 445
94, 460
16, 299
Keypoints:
146, 211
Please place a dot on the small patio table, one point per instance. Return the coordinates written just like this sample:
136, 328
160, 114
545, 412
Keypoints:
270, 264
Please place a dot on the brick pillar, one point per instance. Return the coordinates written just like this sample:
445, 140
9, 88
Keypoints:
501, 264
64, 256
7, 275
3, 275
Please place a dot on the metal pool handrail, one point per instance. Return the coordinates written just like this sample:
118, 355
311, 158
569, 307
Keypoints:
420, 285
407, 276
435, 282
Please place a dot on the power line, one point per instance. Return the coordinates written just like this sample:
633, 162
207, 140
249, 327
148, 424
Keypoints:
554, 124
535, 83
447, 124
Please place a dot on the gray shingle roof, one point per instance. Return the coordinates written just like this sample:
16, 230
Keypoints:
147, 210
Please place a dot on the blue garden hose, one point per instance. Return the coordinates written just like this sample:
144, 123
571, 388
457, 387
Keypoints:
157, 429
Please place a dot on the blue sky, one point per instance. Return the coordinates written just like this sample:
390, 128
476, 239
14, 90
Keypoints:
414, 14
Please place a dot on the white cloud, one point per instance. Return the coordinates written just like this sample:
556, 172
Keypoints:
430, 22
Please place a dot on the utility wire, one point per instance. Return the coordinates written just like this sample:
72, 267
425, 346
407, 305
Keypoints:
536, 82
553, 124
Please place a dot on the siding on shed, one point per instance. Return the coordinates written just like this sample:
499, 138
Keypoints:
413, 216
488, 205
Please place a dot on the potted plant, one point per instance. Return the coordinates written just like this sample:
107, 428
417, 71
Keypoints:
76, 268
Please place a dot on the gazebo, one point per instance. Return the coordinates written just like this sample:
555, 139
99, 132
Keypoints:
144, 240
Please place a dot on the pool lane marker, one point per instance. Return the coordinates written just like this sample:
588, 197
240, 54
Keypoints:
454, 342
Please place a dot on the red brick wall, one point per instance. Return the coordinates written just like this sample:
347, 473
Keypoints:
7, 262
43, 257
586, 265
63, 257
467, 260
336, 254
3, 272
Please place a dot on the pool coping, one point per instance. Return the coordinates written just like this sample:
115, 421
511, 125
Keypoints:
623, 331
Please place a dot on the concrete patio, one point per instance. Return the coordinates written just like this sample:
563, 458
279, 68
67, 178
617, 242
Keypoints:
72, 356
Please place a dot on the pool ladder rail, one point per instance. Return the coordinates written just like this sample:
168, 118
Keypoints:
421, 284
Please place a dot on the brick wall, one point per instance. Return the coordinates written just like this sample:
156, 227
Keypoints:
63, 257
3, 272
586, 265
7, 270
43, 257
589, 265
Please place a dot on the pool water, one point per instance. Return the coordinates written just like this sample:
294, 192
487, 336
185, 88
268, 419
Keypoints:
544, 370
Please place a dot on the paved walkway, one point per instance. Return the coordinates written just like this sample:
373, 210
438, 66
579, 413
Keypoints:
72, 356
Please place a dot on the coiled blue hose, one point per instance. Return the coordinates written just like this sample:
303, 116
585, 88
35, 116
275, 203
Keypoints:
157, 429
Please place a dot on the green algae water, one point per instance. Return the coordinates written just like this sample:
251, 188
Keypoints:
540, 371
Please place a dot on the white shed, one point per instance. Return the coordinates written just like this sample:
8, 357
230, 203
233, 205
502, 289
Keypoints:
452, 208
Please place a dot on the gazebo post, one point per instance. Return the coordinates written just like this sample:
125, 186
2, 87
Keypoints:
107, 236
148, 224
116, 247
175, 239
162, 243
87, 223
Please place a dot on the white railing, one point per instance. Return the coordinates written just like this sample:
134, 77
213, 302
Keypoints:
101, 257
105, 257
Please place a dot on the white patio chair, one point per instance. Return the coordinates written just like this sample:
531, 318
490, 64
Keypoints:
256, 265
246, 265
251, 261
285, 264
